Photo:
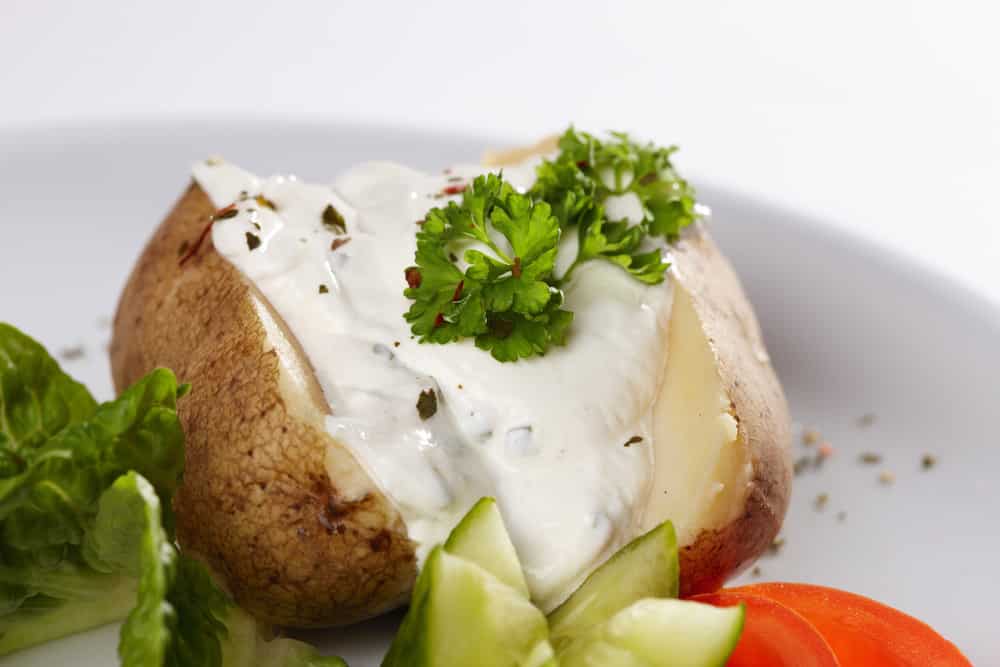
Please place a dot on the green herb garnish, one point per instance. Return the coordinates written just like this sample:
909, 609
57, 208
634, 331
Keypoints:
427, 404
505, 297
588, 170
503, 291
333, 220
265, 202
86, 525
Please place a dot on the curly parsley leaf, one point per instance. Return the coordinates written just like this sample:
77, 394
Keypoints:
502, 294
513, 336
619, 242
589, 167
587, 171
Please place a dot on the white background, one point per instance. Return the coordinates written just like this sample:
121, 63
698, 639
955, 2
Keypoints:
880, 116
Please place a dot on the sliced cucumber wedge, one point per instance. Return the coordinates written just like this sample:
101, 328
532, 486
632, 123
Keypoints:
645, 568
461, 614
481, 538
659, 633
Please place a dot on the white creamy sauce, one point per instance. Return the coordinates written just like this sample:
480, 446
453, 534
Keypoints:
545, 436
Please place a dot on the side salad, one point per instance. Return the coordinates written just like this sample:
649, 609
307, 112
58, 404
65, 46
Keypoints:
86, 532
86, 538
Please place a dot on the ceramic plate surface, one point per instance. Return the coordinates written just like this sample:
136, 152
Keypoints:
875, 353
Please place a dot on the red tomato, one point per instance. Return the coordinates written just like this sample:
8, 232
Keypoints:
773, 635
860, 631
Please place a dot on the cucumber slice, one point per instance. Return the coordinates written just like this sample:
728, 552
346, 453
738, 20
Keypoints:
659, 633
644, 568
481, 538
463, 615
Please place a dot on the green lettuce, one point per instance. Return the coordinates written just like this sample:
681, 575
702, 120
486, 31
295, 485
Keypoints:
182, 618
59, 451
86, 527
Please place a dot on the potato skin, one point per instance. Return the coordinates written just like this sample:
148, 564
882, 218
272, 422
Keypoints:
257, 503
758, 404
293, 546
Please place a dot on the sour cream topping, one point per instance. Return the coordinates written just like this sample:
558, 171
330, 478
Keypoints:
545, 436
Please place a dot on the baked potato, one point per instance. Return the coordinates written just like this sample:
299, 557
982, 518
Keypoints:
293, 522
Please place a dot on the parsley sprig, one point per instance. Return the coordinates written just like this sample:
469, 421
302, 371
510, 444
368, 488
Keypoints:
503, 292
506, 297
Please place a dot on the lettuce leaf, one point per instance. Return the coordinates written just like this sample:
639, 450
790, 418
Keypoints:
59, 452
86, 526
37, 400
182, 618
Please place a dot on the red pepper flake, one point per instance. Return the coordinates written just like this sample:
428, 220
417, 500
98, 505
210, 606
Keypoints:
439, 320
340, 241
458, 291
413, 277
582, 164
825, 450
453, 189
516, 269
222, 214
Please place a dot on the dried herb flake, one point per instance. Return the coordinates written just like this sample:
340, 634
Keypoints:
333, 220
866, 420
72, 353
427, 404
265, 202
775, 547
253, 241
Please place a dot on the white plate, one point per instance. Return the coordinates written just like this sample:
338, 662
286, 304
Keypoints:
853, 330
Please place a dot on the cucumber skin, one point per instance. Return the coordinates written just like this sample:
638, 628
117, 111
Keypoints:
591, 604
444, 620
410, 645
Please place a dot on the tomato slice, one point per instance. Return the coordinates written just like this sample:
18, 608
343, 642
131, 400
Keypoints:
859, 630
773, 635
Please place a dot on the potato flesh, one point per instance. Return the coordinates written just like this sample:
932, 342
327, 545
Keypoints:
701, 471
